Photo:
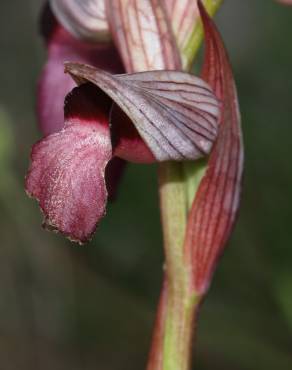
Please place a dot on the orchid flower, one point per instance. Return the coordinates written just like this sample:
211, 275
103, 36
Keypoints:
133, 100
142, 117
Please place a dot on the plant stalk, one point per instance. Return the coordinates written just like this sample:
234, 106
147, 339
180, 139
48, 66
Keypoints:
179, 303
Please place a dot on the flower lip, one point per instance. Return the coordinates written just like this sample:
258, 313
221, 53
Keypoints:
67, 172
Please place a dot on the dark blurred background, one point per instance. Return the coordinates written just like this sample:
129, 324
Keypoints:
64, 306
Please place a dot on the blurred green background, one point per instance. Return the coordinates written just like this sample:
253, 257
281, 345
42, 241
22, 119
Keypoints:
68, 307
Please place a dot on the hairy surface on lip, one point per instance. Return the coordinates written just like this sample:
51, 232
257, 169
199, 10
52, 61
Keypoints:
67, 172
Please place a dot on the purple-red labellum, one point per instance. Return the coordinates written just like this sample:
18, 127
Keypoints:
67, 170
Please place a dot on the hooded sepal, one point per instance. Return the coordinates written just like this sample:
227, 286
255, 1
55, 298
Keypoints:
174, 112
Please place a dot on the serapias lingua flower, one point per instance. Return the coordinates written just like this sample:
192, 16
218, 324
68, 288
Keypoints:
141, 117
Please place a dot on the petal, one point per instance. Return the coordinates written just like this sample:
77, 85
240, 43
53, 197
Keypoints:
54, 85
174, 112
214, 209
84, 19
142, 35
66, 175
184, 15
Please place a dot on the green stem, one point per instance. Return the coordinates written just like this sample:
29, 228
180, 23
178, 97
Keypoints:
174, 327
179, 302
179, 332
173, 205
174, 330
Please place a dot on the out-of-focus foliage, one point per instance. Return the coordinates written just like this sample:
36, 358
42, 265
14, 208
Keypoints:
69, 307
